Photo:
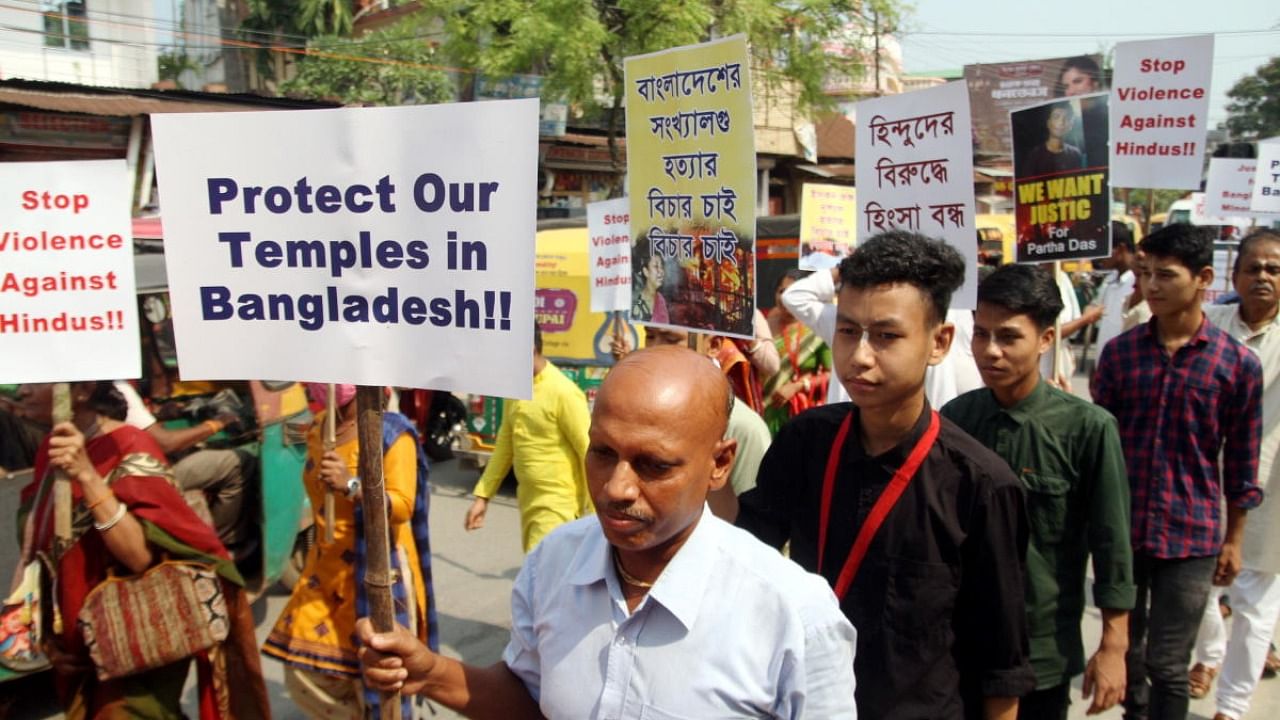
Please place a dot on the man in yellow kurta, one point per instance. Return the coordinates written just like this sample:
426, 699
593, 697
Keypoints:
545, 439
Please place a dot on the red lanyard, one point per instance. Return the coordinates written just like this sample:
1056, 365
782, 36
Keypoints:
879, 511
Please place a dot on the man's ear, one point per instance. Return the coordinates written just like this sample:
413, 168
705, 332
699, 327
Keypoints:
1204, 278
943, 334
722, 456
1046, 339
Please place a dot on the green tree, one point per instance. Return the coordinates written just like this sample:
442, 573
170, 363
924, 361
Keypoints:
578, 46
173, 63
1254, 107
392, 66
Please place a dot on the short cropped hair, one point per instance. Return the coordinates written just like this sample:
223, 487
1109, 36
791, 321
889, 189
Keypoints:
1190, 245
537, 338
932, 266
1023, 290
1121, 236
1253, 238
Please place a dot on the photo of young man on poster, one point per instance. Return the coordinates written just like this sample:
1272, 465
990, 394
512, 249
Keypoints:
1060, 176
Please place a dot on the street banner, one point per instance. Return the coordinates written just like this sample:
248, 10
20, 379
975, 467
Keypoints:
1159, 112
1266, 180
68, 303
995, 89
378, 246
1229, 190
691, 168
1061, 196
827, 225
915, 172
609, 225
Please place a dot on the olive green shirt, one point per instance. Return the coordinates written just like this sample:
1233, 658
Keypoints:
1067, 453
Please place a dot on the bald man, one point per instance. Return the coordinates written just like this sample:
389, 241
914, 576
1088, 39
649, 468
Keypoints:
653, 607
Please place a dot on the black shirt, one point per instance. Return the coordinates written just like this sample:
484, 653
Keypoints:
939, 601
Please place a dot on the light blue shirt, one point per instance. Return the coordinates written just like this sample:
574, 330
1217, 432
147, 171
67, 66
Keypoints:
730, 629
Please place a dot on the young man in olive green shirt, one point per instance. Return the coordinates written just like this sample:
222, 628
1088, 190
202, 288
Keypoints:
1067, 453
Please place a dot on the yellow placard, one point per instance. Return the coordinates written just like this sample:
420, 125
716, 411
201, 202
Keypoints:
691, 171
827, 224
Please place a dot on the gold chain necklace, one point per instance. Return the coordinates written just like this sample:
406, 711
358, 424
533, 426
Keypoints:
627, 577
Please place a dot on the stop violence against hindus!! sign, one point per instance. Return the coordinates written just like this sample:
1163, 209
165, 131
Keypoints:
68, 309
382, 246
609, 225
1159, 108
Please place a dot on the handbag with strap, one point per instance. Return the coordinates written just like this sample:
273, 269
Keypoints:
172, 611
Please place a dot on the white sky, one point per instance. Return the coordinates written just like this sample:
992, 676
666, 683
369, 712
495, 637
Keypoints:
948, 34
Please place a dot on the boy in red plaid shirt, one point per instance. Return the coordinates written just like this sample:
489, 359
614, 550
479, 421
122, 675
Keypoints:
1186, 394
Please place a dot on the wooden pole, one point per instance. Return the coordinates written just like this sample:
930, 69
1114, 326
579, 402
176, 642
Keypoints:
377, 578
619, 332
330, 442
61, 483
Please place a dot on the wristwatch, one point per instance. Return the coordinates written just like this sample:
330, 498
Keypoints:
353, 486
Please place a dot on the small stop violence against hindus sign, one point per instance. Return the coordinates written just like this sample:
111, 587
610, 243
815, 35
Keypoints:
68, 309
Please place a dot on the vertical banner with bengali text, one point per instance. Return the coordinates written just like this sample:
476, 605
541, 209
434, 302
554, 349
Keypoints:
609, 228
68, 304
1061, 196
827, 225
1159, 112
691, 169
915, 172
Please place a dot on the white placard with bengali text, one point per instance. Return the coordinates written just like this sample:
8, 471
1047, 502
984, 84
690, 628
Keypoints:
1266, 181
915, 172
609, 225
68, 303
380, 246
1159, 112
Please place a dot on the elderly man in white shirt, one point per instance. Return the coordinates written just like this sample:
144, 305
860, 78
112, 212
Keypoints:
1255, 594
652, 608
812, 301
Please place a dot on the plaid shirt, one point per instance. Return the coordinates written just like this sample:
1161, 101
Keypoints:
1177, 414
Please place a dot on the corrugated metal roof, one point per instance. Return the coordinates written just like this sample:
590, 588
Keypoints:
116, 105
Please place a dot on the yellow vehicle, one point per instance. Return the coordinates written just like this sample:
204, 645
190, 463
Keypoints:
577, 340
997, 236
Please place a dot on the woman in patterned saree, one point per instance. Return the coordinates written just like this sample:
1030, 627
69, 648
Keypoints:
128, 516
801, 381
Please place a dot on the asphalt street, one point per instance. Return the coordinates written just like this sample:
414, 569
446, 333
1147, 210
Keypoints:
473, 576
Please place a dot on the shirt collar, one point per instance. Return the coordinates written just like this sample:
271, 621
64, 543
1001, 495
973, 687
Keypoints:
1240, 328
1200, 338
1028, 406
683, 582
897, 454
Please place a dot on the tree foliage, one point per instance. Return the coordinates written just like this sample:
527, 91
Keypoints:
579, 45
1254, 107
392, 66
172, 64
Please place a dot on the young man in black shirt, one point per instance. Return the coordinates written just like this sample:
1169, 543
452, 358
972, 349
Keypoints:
921, 530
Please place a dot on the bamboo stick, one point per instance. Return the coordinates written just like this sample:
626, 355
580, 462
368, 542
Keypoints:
377, 579
330, 442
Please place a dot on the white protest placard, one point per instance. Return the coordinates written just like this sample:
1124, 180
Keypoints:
609, 225
1266, 181
1160, 111
1229, 189
915, 172
380, 246
68, 306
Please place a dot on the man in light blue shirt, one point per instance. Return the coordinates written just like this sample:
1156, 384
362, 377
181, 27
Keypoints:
653, 608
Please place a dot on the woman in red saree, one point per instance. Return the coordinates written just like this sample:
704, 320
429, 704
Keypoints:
127, 514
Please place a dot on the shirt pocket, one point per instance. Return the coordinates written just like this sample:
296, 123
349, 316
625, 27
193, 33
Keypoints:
1046, 506
920, 598
1203, 406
